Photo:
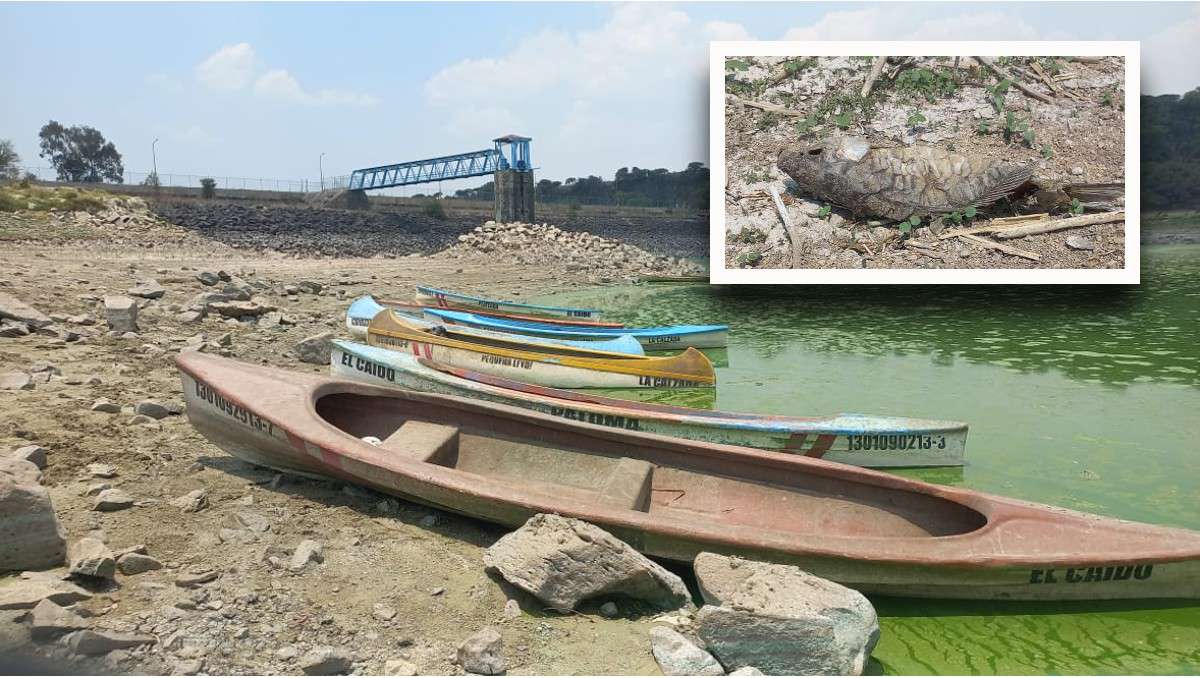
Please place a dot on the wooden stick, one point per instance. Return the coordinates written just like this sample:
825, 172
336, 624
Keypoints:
1003, 248
876, 69
1051, 225
998, 224
968, 231
1019, 219
1016, 83
787, 223
774, 108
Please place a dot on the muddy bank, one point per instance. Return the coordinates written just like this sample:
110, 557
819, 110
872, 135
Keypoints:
309, 231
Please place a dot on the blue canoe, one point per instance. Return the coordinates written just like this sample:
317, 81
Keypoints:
453, 300
363, 309
651, 338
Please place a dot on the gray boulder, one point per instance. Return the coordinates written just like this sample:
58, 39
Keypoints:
16, 381
191, 502
325, 661
147, 289
31, 537
151, 409
24, 592
89, 642
34, 454
315, 349
50, 620
112, 500
678, 656
14, 309
121, 313
137, 563
483, 653
781, 619
91, 558
307, 552
563, 561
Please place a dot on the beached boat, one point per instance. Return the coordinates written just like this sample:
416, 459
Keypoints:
652, 338
862, 440
672, 498
558, 366
363, 309
414, 308
444, 299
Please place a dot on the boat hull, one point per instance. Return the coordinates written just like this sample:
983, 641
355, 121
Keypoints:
872, 442
446, 299
362, 310
543, 366
1021, 551
670, 338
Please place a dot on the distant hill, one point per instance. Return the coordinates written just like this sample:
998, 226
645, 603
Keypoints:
634, 187
1171, 151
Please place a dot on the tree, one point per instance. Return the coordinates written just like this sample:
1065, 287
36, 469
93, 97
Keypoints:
80, 154
151, 180
208, 188
9, 160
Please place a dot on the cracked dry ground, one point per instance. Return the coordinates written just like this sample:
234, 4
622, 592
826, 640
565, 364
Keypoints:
423, 564
1077, 138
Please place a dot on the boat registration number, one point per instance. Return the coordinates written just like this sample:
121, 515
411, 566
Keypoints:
895, 441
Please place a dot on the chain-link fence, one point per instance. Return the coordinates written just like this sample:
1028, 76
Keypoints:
193, 180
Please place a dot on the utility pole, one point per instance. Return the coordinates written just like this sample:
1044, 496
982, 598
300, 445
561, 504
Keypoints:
154, 157
321, 165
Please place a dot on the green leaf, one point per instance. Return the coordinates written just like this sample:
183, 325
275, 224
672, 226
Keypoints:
842, 120
1047, 152
914, 220
915, 118
824, 211
905, 227
984, 127
736, 65
969, 213
1028, 134
1076, 206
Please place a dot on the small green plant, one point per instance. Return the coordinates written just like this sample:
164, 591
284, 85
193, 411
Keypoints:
915, 118
208, 188
843, 119
434, 209
1076, 206
1106, 99
909, 224
984, 127
824, 211
1016, 127
1047, 152
749, 258
997, 92
794, 66
749, 236
962, 217
807, 124
767, 120
926, 83
736, 65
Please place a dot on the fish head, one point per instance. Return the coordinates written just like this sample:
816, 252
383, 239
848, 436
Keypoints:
809, 164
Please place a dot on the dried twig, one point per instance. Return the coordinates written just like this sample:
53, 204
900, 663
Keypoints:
773, 108
876, 69
787, 223
1003, 248
1016, 82
995, 225
1051, 225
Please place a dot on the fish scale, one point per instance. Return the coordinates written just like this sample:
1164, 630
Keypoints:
899, 182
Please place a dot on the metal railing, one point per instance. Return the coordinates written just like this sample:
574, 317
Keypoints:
193, 180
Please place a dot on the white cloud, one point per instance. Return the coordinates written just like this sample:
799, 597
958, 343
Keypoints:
230, 68
903, 23
983, 26
235, 67
859, 24
726, 30
1169, 58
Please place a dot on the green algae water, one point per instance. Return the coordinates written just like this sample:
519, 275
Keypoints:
1084, 397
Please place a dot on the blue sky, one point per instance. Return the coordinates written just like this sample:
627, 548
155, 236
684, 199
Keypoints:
260, 90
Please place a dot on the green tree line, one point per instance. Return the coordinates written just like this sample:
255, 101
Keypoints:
629, 186
1171, 151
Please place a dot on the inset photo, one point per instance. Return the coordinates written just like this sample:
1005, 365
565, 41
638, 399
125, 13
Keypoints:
895, 162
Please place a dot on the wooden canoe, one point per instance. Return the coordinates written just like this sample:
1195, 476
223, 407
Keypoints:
558, 366
363, 309
444, 299
672, 499
870, 441
668, 338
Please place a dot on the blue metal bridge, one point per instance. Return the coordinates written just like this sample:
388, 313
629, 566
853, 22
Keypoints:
459, 166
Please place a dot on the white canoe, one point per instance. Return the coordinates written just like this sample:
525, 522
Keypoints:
447, 299
861, 440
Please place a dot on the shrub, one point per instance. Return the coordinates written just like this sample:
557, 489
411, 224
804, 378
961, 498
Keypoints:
435, 209
208, 188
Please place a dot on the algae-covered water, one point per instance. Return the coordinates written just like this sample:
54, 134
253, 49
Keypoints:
1085, 397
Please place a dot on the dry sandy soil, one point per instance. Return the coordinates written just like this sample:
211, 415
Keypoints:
424, 564
1076, 138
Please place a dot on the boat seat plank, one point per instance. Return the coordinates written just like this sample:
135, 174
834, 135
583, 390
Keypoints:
628, 486
424, 441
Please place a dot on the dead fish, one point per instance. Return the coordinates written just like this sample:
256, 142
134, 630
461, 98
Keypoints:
897, 183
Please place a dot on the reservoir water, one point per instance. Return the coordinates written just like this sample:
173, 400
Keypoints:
1084, 397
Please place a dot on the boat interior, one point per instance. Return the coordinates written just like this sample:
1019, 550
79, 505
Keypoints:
530, 462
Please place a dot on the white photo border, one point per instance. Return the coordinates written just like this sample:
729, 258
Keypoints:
720, 275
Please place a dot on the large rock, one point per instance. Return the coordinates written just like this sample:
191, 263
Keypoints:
34, 454
112, 500
483, 653
781, 619
30, 588
137, 563
240, 309
16, 381
147, 289
325, 661
50, 620
315, 349
91, 558
307, 552
30, 535
121, 313
15, 309
102, 642
678, 656
563, 561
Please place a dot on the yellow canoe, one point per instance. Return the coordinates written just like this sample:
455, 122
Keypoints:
556, 366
